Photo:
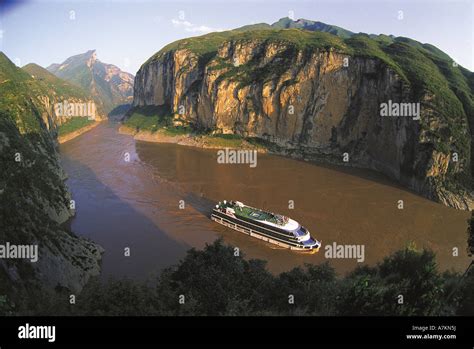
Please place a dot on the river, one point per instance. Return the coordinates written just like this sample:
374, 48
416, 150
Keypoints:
130, 195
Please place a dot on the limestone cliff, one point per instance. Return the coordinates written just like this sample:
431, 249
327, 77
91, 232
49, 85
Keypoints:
318, 96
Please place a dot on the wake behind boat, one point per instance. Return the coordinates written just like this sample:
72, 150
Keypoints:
274, 228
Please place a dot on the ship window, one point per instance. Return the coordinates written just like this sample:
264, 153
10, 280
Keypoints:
301, 231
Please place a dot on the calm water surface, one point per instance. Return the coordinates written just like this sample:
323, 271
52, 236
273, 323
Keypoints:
136, 204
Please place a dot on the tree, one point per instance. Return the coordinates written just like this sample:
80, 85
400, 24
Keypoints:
115, 298
314, 289
470, 235
215, 281
466, 295
405, 283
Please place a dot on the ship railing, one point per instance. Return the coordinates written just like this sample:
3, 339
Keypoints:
233, 225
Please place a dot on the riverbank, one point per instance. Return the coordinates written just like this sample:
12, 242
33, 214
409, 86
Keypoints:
76, 133
207, 141
461, 200
164, 135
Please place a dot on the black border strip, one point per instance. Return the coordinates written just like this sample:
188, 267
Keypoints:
303, 330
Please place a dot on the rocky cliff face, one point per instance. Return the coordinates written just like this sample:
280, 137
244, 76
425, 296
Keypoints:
34, 200
317, 103
57, 110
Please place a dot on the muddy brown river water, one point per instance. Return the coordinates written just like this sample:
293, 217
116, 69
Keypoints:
136, 204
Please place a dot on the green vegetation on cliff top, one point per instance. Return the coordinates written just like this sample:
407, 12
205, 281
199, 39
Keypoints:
207, 45
15, 95
51, 82
413, 61
423, 66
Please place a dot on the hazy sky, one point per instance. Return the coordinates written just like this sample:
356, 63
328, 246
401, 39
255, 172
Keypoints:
126, 33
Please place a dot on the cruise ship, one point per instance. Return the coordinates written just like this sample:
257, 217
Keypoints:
267, 226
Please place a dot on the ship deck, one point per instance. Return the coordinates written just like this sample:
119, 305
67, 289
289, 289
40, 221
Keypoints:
251, 213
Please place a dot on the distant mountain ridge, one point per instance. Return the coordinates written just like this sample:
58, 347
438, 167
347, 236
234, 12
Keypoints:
305, 24
316, 26
105, 82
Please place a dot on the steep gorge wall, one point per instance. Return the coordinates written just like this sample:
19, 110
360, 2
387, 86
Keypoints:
316, 104
34, 203
34, 200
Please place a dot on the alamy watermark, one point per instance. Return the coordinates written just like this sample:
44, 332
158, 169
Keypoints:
338, 251
11, 251
400, 109
28, 331
70, 109
233, 156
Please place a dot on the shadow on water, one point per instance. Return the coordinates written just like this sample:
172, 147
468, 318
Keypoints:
200, 203
105, 218
355, 172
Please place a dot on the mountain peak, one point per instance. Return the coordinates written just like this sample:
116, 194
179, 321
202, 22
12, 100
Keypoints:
306, 24
9, 71
37, 71
91, 54
89, 58
284, 21
4, 58
106, 82
92, 57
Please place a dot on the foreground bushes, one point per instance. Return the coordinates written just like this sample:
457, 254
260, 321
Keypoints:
216, 282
